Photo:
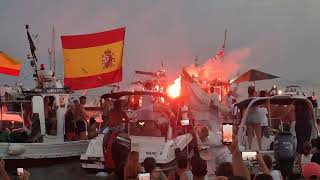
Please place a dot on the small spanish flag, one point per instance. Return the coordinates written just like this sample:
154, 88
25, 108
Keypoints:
93, 60
8, 65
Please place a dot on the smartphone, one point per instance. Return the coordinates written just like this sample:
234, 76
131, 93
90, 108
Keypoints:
20, 171
185, 122
227, 133
249, 155
144, 176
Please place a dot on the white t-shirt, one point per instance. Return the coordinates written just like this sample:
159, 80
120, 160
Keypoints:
147, 102
214, 98
305, 159
292, 128
229, 101
276, 175
184, 112
263, 116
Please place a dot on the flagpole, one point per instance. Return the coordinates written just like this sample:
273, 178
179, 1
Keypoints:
122, 55
54, 49
225, 38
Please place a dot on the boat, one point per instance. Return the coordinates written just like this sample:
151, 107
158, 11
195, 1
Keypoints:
26, 145
161, 145
36, 143
294, 91
280, 116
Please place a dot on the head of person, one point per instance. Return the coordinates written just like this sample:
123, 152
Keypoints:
263, 177
82, 100
224, 169
46, 100
92, 121
311, 170
307, 147
211, 90
149, 164
148, 86
133, 156
198, 166
251, 91
263, 93
268, 161
117, 105
132, 165
76, 102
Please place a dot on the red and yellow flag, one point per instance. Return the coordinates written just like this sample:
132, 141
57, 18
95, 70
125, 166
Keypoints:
8, 65
93, 60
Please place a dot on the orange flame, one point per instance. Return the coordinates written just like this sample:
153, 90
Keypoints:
174, 90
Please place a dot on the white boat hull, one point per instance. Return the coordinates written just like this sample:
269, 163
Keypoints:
162, 151
45, 150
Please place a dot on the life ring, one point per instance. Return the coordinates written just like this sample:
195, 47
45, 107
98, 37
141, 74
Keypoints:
16, 149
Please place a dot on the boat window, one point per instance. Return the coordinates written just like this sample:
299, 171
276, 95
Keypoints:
146, 128
50, 114
11, 116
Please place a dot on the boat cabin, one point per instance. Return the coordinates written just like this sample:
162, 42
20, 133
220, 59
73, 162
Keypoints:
39, 117
294, 91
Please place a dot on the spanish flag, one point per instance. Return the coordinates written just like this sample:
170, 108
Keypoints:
93, 60
8, 65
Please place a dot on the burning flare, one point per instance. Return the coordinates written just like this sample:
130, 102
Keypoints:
174, 90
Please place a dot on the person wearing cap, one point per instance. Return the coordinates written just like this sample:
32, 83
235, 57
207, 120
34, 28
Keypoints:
311, 171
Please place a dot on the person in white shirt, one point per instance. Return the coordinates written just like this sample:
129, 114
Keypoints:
214, 102
262, 110
146, 111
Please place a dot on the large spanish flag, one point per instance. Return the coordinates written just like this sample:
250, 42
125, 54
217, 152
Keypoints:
8, 65
93, 60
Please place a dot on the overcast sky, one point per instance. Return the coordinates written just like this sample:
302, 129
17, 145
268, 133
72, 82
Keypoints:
283, 35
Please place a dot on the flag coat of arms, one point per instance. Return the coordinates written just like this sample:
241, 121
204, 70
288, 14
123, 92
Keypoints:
93, 60
8, 65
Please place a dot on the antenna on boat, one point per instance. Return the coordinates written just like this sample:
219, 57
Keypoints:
52, 51
33, 57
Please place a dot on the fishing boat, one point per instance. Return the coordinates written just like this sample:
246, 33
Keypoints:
25, 139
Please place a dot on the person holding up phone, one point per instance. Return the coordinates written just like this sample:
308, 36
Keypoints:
238, 165
3, 172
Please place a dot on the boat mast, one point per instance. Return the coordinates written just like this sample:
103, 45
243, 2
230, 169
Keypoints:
53, 46
33, 57
52, 51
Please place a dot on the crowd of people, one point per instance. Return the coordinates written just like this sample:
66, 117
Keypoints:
76, 125
195, 168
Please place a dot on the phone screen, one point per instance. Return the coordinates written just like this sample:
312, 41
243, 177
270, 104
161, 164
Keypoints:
249, 155
144, 176
19, 171
227, 132
185, 122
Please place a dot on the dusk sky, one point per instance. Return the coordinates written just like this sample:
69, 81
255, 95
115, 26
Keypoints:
283, 36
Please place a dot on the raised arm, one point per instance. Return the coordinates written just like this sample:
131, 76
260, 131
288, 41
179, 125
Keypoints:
238, 165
